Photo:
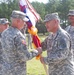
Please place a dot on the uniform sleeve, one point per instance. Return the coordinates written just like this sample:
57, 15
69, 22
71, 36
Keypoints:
67, 28
60, 53
22, 50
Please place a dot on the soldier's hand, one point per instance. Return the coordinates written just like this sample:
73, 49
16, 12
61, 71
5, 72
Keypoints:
39, 49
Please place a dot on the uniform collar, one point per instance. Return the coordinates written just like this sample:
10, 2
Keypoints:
56, 34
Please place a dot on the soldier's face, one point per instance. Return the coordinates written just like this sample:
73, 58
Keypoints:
21, 23
49, 25
71, 19
3, 27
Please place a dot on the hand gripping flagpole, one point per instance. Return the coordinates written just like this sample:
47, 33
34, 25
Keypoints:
46, 70
37, 43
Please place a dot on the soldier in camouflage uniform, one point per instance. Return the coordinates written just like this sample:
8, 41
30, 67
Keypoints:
57, 44
14, 46
70, 29
4, 23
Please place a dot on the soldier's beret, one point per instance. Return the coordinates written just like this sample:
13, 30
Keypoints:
19, 15
4, 21
71, 12
51, 16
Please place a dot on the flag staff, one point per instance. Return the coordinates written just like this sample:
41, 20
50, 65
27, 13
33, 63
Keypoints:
33, 17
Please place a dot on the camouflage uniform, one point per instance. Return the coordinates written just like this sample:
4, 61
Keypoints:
1, 59
15, 52
58, 53
70, 30
3, 25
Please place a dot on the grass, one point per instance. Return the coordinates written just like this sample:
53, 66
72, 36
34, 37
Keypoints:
34, 66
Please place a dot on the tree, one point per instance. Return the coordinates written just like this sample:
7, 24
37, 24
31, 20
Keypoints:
63, 8
51, 6
40, 8
7, 6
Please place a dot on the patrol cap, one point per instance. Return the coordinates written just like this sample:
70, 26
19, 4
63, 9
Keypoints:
19, 14
51, 16
4, 21
71, 12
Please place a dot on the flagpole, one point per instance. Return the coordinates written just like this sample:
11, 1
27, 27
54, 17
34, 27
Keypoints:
31, 22
45, 67
46, 70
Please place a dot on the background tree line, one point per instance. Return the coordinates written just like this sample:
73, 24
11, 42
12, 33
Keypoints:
60, 6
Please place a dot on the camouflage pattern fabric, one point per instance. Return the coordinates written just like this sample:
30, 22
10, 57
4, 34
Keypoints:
70, 30
15, 52
59, 54
1, 58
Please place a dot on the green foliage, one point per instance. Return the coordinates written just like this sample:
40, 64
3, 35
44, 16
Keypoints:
6, 7
60, 6
51, 6
40, 8
34, 67
41, 28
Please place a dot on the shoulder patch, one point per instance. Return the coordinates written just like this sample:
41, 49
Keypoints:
24, 42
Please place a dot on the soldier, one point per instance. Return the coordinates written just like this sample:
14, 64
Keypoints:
70, 29
4, 23
14, 46
58, 49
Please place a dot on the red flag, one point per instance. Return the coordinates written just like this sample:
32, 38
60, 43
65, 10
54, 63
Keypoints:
28, 9
33, 17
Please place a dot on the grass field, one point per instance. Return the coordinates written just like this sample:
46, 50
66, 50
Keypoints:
34, 67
